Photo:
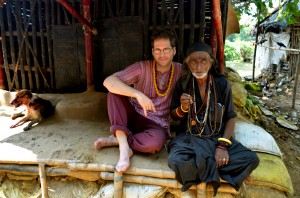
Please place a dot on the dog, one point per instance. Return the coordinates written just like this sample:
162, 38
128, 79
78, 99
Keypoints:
37, 109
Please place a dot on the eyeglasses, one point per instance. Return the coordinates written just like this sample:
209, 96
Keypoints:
165, 50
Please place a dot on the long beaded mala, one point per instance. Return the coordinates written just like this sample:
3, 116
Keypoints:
169, 80
193, 119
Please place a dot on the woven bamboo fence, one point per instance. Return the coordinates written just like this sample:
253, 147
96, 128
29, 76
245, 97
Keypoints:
28, 43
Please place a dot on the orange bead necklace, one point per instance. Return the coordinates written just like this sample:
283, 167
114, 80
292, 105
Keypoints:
169, 80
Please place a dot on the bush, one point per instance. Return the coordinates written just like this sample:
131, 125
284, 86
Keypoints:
231, 52
246, 53
238, 50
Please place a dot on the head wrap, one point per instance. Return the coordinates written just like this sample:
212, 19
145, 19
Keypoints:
195, 47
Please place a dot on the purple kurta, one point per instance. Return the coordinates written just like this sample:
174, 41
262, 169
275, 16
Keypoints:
140, 76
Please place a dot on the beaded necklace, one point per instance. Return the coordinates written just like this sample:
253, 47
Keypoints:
169, 80
193, 119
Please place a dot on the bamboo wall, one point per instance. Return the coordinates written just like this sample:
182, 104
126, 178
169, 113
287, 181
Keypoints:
28, 45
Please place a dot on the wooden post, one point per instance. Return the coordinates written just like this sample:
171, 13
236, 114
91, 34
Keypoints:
42, 174
218, 25
201, 190
118, 184
88, 45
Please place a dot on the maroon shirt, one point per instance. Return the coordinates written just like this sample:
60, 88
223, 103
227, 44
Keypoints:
140, 76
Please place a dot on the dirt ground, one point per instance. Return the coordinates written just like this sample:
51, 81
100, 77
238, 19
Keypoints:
288, 140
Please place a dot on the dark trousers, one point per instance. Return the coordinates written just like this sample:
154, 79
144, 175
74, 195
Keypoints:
193, 161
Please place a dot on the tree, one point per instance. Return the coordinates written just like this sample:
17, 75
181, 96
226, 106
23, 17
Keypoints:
251, 7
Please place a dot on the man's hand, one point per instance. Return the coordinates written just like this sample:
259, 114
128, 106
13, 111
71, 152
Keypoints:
221, 157
145, 103
186, 100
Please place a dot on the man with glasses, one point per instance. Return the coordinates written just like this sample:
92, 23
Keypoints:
138, 102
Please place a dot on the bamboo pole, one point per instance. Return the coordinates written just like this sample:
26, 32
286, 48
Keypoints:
33, 170
171, 183
163, 9
21, 38
118, 184
3, 42
35, 51
146, 29
81, 19
154, 14
42, 36
42, 174
202, 20
181, 30
192, 20
224, 17
130, 171
11, 36
282, 49
88, 45
49, 43
296, 82
27, 60
132, 5
218, 24
213, 41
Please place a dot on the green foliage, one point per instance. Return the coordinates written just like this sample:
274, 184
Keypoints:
260, 10
231, 52
290, 12
246, 52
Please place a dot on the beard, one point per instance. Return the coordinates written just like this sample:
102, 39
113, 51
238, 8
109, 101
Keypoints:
200, 75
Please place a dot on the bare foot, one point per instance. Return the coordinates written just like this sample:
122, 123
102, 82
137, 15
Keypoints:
124, 161
106, 142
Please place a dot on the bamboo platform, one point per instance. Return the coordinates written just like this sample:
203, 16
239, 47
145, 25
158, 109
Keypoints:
63, 146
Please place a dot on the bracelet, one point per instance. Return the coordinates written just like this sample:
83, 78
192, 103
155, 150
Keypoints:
224, 140
224, 144
178, 114
222, 147
184, 111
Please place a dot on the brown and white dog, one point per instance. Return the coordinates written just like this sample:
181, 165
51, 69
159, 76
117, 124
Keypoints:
37, 108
